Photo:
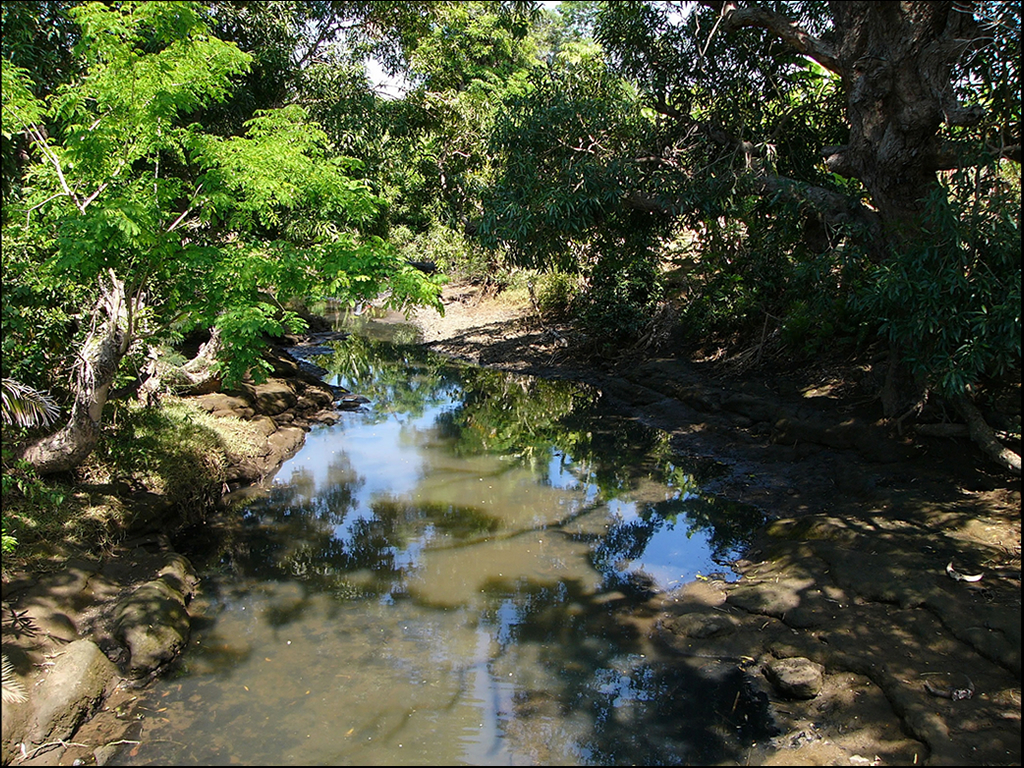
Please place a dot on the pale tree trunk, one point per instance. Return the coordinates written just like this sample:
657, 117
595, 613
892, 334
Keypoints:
196, 377
199, 370
98, 362
985, 437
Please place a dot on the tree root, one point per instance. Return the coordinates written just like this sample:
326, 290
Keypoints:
985, 437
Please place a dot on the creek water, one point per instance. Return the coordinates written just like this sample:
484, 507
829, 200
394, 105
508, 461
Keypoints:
442, 578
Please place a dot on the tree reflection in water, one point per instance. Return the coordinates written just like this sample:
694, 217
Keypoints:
524, 506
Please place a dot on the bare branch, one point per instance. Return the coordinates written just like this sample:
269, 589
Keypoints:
51, 157
187, 211
952, 157
94, 195
985, 438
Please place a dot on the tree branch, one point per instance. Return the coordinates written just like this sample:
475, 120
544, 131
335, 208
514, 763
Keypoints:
734, 17
835, 208
51, 157
187, 211
950, 157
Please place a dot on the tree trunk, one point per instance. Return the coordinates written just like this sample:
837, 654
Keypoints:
95, 370
896, 61
196, 377
199, 370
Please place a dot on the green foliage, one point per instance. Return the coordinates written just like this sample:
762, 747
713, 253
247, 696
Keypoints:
563, 147
8, 543
25, 406
567, 147
39, 314
952, 303
38, 37
469, 46
176, 450
555, 292
202, 228
622, 292
678, 117
28, 500
772, 263
455, 255
20, 487
425, 152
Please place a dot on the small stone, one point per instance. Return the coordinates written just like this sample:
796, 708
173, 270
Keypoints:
699, 625
796, 677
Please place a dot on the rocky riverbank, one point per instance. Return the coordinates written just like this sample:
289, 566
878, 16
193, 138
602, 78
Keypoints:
81, 638
878, 617
860, 628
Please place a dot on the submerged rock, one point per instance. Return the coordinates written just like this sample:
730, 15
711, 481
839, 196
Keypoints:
153, 622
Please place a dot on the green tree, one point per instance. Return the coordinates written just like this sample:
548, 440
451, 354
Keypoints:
170, 226
423, 151
38, 37
833, 163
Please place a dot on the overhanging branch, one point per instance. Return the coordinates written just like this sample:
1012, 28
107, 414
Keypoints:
734, 17
951, 157
835, 208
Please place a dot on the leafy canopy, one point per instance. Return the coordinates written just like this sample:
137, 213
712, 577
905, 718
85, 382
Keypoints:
201, 228
699, 143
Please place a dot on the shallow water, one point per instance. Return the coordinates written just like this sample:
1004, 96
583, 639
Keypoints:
440, 578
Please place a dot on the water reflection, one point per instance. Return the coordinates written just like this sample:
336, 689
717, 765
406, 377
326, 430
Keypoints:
441, 579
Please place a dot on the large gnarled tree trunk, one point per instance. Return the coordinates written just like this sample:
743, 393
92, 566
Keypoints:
97, 365
897, 62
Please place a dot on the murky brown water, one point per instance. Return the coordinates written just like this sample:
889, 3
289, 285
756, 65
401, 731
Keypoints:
434, 581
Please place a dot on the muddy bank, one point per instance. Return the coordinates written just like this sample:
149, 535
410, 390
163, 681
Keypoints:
860, 618
82, 638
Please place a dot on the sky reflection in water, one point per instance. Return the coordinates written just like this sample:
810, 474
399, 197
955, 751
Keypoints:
433, 581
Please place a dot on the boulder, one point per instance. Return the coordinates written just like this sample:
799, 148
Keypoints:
70, 693
274, 397
153, 622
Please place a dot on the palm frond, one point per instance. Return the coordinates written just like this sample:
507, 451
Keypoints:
12, 690
25, 406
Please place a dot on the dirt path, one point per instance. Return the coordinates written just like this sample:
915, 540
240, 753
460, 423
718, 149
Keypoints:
858, 573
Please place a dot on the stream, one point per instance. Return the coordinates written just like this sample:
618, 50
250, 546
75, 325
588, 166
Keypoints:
442, 578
